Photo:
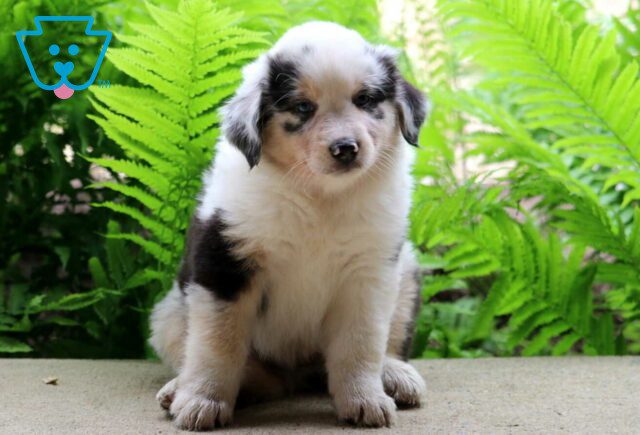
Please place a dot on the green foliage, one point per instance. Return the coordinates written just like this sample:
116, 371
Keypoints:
189, 61
77, 282
48, 230
550, 249
81, 319
628, 28
360, 15
275, 17
526, 212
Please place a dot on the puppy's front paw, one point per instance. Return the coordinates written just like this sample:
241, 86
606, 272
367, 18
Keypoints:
371, 410
167, 393
195, 411
402, 382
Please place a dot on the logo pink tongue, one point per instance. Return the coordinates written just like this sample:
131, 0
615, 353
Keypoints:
63, 92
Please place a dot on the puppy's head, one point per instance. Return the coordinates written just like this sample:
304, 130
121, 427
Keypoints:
324, 104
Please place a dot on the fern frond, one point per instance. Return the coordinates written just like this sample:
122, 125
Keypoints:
545, 292
188, 62
222, 78
146, 117
576, 74
233, 37
160, 231
589, 223
133, 148
145, 97
145, 198
154, 249
628, 27
126, 63
177, 23
162, 38
142, 173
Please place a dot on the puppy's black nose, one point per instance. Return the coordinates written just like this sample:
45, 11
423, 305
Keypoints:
344, 150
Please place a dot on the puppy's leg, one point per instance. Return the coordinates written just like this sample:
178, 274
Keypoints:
169, 327
402, 381
407, 305
215, 357
357, 326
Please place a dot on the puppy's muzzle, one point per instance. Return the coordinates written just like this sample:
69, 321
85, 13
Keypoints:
344, 150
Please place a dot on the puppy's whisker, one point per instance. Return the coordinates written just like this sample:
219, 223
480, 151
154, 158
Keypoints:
292, 175
294, 167
383, 164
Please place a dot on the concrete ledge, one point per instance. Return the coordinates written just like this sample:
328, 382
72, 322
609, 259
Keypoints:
543, 395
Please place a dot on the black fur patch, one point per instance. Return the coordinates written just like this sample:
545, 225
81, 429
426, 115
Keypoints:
385, 90
281, 83
368, 100
210, 261
278, 89
413, 98
280, 94
239, 136
274, 91
415, 102
186, 270
391, 76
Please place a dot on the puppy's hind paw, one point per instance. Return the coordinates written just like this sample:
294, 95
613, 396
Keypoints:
198, 412
167, 393
402, 382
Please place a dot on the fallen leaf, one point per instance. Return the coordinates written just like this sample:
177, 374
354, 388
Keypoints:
51, 380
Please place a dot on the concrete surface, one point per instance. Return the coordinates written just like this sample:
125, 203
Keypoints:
535, 395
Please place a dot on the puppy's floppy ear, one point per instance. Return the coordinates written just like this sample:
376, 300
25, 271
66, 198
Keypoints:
412, 108
411, 104
241, 116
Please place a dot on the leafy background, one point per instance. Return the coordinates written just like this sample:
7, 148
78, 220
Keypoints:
526, 208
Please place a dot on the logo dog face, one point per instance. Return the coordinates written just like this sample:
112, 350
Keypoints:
63, 57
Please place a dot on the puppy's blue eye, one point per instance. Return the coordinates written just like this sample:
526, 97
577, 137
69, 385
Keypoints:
304, 107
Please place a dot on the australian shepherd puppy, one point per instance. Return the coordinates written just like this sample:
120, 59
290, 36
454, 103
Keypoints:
297, 266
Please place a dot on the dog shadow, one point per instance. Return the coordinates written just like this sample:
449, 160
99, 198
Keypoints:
311, 411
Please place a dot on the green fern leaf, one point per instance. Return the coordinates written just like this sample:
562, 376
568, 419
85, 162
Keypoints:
188, 62
161, 231
153, 248
565, 343
148, 200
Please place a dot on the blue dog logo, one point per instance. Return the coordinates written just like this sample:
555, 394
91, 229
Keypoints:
63, 88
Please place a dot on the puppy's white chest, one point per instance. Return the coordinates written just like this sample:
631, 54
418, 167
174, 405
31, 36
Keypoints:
302, 273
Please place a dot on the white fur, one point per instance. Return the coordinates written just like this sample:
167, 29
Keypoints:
311, 251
